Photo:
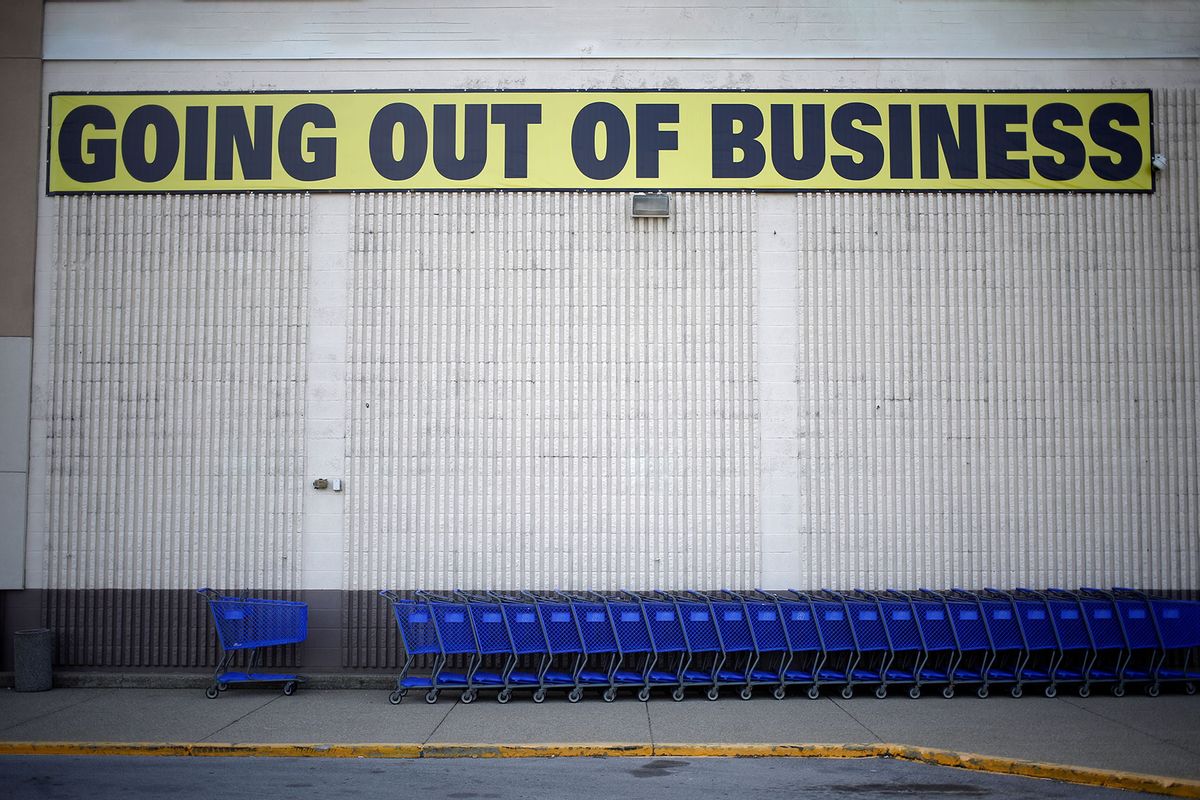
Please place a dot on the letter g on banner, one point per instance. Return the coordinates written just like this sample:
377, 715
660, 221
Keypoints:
103, 164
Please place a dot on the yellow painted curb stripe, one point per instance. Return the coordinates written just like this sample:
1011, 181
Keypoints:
1087, 776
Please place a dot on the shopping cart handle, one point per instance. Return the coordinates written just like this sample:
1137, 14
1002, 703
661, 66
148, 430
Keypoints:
390, 595
211, 594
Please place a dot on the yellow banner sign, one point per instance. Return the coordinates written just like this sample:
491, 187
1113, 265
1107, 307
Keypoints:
635, 140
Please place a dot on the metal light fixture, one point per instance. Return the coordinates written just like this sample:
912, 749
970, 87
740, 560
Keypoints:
651, 205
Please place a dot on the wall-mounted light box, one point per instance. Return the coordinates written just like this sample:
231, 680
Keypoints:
651, 205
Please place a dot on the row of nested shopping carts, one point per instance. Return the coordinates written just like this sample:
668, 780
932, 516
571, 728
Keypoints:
706, 641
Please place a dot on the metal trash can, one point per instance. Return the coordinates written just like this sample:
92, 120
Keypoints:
32, 651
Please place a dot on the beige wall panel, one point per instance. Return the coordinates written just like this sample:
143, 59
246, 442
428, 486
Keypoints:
21, 29
174, 427
595, 29
547, 393
20, 158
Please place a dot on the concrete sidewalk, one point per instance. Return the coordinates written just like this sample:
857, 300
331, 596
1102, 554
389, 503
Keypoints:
1159, 736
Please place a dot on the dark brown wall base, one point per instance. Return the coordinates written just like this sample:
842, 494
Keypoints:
145, 629
135, 630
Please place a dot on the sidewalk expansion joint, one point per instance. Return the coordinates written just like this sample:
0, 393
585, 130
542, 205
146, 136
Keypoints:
864, 726
231, 723
1149, 734
1086, 776
441, 722
53, 712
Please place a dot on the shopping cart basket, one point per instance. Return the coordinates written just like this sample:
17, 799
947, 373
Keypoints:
420, 636
248, 624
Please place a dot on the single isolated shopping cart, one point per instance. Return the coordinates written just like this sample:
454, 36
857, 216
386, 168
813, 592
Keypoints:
249, 624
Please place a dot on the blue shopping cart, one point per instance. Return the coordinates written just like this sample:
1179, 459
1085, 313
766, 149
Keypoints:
564, 640
942, 664
773, 651
1179, 625
805, 644
598, 638
703, 641
420, 636
668, 641
837, 638
527, 633
902, 634
247, 624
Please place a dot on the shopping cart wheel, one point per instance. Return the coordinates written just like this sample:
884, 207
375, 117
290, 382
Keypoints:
914, 692
1190, 688
947, 692
1016, 691
539, 696
1152, 690
289, 688
610, 694
431, 696
880, 692
222, 687
779, 693
813, 692
468, 696
713, 693
677, 695
395, 697
982, 692
1051, 691
644, 694
746, 693
504, 696
1118, 691
211, 692
1085, 691
575, 696
847, 692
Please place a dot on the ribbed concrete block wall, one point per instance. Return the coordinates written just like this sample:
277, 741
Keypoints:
547, 393
1003, 389
174, 433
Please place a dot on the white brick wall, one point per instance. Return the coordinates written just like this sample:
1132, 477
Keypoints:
546, 393
170, 417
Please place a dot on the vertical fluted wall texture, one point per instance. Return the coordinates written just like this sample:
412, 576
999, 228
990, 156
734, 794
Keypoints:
548, 393
1003, 388
175, 429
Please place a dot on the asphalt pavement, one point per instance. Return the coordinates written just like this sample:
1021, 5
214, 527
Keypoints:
97, 777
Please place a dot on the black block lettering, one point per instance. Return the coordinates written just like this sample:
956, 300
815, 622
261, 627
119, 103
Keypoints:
812, 141
900, 143
1125, 145
416, 141
1048, 134
726, 143
516, 119
322, 149
999, 141
865, 143
254, 152
195, 143
937, 135
583, 141
166, 143
651, 138
103, 165
445, 149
